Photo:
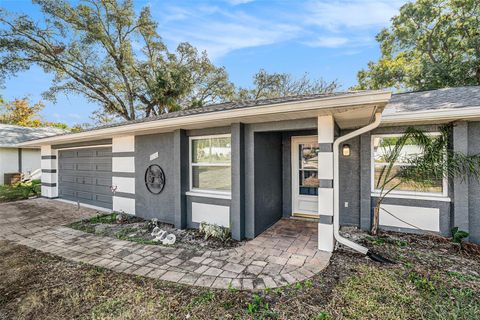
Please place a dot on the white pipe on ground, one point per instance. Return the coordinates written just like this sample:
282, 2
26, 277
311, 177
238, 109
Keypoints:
336, 183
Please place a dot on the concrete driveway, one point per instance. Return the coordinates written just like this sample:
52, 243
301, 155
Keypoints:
284, 254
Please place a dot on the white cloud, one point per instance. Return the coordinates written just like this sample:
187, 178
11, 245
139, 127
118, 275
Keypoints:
352, 14
327, 42
224, 31
319, 23
75, 116
237, 2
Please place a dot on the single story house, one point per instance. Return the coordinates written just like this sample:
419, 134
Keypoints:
245, 165
26, 160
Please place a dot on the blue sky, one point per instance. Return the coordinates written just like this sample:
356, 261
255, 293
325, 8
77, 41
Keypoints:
327, 39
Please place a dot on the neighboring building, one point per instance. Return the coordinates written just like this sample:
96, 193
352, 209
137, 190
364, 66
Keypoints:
21, 160
246, 165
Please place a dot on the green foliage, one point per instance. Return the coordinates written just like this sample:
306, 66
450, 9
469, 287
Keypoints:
204, 297
20, 191
21, 112
214, 231
260, 309
273, 85
458, 235
376, 240
308, 283
430, 44
323, 316
103, 218
130, 234
278, 290
113, 56
421, 282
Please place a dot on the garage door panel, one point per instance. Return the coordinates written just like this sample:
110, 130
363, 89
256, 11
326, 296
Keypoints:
103, 153
103, 167
84, 195
67, 154
84, 167
66, 166
104, 199
102, 189
85, 175
104, 182
86, 153
67, 192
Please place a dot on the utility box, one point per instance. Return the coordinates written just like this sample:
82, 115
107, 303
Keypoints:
12, 178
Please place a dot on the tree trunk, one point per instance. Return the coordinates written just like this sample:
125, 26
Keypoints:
477, 75
376, 218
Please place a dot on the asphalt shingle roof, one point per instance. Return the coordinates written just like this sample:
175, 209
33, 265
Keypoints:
10, 135
226, 106
447, 98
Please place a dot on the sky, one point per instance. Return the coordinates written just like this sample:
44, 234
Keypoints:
329, 39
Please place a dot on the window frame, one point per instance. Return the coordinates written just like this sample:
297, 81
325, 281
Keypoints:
200, 191
402, 193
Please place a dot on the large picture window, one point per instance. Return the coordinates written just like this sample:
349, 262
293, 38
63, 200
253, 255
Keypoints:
381, 146
210, 162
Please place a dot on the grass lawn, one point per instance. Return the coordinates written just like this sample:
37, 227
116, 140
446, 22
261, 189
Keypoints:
433, 280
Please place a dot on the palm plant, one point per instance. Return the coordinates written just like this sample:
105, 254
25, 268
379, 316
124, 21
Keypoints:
435, 161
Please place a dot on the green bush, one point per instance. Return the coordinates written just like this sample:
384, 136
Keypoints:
20, 191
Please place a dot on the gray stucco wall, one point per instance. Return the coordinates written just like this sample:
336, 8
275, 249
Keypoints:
148, 205
350, 184
268, 180
474, 185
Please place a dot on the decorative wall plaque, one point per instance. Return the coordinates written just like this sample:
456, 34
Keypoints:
155, 179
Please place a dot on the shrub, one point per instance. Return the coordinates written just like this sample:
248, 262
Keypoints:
20, 190
214, 231
458, 235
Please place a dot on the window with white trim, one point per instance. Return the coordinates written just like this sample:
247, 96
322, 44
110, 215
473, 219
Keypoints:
381, 145
210, 164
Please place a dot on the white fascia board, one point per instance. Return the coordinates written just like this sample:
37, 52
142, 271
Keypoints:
360, 99
432, 115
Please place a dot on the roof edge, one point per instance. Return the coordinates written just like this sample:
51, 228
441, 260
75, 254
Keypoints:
380, 97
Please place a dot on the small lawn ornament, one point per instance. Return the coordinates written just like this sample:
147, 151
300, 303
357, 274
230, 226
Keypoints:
162, 236
170, 239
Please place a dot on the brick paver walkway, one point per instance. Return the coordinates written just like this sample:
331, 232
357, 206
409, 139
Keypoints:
284, 254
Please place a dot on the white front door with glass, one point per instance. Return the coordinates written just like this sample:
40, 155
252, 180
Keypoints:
305, 181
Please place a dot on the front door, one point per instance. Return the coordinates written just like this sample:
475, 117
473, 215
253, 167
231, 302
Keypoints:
305, 181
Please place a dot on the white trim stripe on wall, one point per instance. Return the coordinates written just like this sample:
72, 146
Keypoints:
424, 218
123, 165
211, 213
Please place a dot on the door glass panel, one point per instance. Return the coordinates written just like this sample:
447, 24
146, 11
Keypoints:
308, 169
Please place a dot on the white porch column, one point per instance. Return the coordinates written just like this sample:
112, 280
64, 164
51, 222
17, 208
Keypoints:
123, 173
49, 172
326, 129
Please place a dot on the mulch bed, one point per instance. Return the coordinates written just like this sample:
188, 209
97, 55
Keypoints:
139, 230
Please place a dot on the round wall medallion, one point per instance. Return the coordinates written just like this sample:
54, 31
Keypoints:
155, 179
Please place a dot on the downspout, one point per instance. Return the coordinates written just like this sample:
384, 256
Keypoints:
336, 187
